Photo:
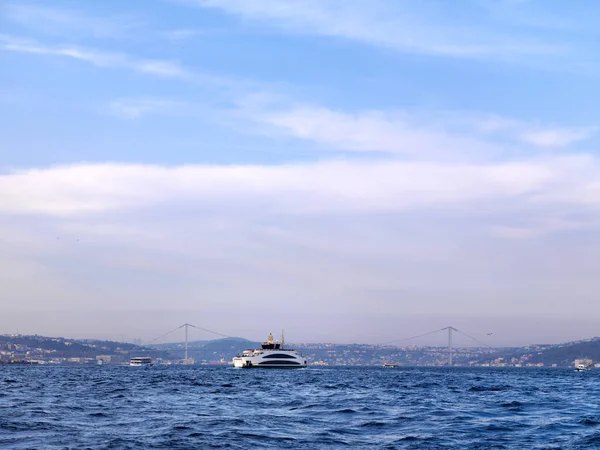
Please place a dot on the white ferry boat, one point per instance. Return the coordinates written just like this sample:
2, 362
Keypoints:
388, 365
582, 368
271, 355
137, 361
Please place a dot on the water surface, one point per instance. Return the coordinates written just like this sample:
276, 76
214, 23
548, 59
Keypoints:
112, 407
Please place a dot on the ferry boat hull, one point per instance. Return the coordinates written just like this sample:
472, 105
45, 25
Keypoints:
270, 360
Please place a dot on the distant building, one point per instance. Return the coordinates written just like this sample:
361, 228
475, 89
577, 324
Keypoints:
18, 357
585, 361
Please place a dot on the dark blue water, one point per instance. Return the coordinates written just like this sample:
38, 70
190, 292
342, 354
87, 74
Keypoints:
217, 407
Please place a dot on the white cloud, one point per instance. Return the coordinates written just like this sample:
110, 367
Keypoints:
317, 188
559, 137
405, 26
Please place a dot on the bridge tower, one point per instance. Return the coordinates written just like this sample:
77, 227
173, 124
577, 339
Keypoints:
186, 325
450, 346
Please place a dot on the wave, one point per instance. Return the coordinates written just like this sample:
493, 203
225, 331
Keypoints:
196, 407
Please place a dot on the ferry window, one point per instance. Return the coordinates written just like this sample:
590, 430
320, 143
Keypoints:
279, 356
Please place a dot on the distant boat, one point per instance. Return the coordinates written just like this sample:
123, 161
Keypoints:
391, 366
582, 368
271, 355
137, 361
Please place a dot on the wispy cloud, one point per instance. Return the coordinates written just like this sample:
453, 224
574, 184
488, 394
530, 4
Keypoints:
183, 34
413, 133
371, 131
533, 133
57, 21
557, 137
167, 69
404, 26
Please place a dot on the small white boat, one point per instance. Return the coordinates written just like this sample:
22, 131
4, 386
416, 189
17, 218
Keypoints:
582, 368
271, 355
137, 361
390, 365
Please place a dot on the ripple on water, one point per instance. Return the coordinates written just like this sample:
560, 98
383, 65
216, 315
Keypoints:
589, 421
480, 388
345, 411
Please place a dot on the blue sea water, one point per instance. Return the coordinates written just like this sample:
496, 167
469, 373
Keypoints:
183, 407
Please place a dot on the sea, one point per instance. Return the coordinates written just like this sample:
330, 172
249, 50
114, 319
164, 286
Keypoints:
198, 407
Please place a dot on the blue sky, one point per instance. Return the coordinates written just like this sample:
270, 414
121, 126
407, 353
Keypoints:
348, 170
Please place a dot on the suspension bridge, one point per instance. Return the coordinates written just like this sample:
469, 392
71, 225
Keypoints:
449, 329
186, 326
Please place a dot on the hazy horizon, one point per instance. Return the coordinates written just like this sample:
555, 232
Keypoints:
347, 171
126, 326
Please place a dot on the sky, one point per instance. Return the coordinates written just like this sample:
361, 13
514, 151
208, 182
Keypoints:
348, 171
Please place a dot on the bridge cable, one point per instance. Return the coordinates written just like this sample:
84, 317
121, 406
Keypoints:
163, 335
471, 337
415, 337
209, 331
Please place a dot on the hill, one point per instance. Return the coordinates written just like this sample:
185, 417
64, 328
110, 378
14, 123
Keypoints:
15, 348
558, 355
